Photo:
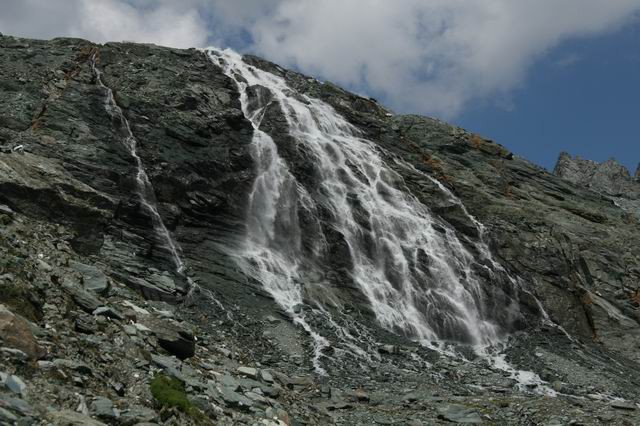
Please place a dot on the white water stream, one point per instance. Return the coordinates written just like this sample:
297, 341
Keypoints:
418, 280
143, 185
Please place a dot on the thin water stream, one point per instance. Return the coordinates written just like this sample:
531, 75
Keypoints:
143, 185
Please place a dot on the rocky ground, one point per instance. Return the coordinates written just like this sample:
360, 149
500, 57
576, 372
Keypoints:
97, 328
80, 347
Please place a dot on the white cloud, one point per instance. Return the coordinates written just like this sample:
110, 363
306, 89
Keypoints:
430, 56
162, 22
426, 56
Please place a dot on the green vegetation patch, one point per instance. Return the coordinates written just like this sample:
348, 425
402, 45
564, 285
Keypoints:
170, 392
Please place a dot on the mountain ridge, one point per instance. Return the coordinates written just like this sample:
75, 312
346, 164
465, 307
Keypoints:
70, 196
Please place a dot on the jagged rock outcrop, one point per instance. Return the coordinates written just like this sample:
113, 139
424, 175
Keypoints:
609, 178
81, 264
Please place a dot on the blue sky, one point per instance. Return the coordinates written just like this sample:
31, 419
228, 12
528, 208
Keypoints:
583, 97
539, 76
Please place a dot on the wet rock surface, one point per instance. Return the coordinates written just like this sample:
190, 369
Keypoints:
93, 310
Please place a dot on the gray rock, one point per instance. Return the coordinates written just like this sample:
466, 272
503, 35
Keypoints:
300, 382
17, 405
86, 324
265, 376
624, 405
103, 408
250, 384
169, 364
389, 349
256, 397
44, 266
4, 209
45, 365
141, 327
7, 417
224, 352
250, 372
130, 330
137, 309
163, 282
13, 353
109, 312
71, 418
459, 414
136, 415
87, 301
15, 384
230, 382
609, 178
93, 278
149, 290
234, 399
69, 364
359, 395
271, 319
173, 337
271, 391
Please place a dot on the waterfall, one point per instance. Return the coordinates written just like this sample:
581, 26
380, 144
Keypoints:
143, 184
414, 272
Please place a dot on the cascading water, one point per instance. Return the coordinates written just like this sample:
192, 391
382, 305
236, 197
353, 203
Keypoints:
143, 185
414, 271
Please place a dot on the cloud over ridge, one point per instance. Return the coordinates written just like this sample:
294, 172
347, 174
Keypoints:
426, 56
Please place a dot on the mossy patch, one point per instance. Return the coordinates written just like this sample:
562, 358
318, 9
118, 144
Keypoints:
170, 392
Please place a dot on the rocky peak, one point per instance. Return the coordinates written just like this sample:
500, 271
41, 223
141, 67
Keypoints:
609, 177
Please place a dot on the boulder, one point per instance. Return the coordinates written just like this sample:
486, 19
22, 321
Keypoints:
250, 372
163, 282
108, 312
389, 349
234, 399
136, 415
15, 332
265, 376
13, 383
7, 417
459, 414
85, 300
169, 364
102, 407
173, 337
93, 279
624, 405
149, 290
86, 324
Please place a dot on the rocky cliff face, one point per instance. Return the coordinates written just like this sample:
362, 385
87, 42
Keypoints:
609, 178
98, 325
